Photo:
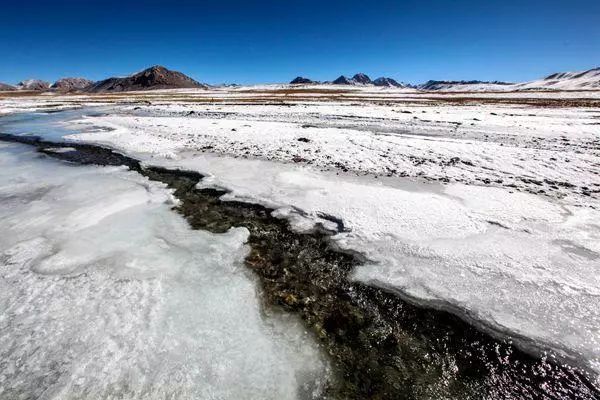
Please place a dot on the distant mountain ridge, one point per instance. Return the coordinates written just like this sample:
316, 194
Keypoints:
358, 79
582, 80
69, 84
159, 77
388, 82
589, 79
342, 80
5, 87
156, 77
33, 84
299, 80
362, 79
445, 85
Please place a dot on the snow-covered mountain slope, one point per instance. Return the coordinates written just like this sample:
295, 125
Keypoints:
589, 79
33, 84
361, 79
387, 82
465, 86
66, 84
582, 80
5, 87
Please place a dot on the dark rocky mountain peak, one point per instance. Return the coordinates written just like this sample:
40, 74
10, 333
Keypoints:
387, 82
361, 78
342, 80
156, 77
299, 80
4, 87
438, 85
33, 84
69, 84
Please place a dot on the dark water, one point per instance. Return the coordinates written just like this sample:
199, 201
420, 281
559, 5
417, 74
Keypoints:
45, 124
381, 347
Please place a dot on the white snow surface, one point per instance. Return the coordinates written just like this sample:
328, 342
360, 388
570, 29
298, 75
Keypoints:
511, 240
521, 263
107, 293
527, 148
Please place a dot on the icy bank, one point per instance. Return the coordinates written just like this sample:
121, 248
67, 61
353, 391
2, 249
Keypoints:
531, 149
522, 265
106, 292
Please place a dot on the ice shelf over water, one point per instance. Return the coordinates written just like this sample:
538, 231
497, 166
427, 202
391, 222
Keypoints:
524, 265
105, 292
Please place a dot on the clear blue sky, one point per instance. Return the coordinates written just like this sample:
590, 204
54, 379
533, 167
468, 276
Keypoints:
274, 41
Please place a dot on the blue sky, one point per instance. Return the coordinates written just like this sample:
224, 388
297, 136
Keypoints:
274, 41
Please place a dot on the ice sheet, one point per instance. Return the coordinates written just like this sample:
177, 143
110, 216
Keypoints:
523, 265
550, 151
521, 259
106, 293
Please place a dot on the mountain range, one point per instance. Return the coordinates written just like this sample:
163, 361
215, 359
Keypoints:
589, 79
584, 80
69, 84
33, 84
5, 88
156, 77
159, 77
472, 85
358, 79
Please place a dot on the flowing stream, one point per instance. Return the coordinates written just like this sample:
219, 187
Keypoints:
353, 341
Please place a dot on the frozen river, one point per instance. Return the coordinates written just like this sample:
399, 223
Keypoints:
106, 292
